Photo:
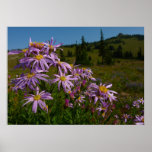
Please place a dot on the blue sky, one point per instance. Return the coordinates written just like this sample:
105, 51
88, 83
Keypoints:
18, 37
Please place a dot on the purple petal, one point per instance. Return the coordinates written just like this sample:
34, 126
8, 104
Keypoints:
34, 108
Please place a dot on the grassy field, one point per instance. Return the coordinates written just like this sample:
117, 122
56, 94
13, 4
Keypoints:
131, 44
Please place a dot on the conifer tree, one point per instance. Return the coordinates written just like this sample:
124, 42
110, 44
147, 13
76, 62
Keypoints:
62, 57
81, 53
139, 55
102, 47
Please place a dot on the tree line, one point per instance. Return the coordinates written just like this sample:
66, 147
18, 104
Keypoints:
107, 53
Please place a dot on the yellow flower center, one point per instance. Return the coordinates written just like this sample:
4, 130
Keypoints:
142, 101
51, 47
71, 65
103, 89
83, 68
62, 78
142, 119
37, 97
30, 75
31, 43
39, 57
59, 62
36, 44
69, 92
103, 108
79, 98
76, 74
103, 114
24, 50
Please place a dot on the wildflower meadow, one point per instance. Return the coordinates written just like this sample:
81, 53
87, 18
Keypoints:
47, 90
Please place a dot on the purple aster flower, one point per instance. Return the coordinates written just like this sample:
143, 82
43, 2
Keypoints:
30, 80
126, 117
127, 106
103, 107
87, 93
50, 46
24, 51
68, 104
91, 78
40, 62
37, 45
77, 89
77, 73
35, 51
116, 116
139, 120
101, 92
141, 101
105, 89
52, 59
71, 93
80, 98
87, 73
136, 104
65, 81
96, 98
111, 96
73, 66
38, 100
63, 66
90, 94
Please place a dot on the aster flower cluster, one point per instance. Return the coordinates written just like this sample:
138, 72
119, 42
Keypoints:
138, 103
38, 58
77, 83
133, 113
139, 119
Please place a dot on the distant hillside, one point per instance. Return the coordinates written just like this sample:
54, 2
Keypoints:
128, 43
